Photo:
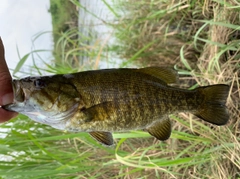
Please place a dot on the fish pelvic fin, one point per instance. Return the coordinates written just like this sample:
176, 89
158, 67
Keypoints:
160, 129
104, 138
213, 109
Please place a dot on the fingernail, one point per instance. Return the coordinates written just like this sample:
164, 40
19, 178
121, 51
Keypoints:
7, 98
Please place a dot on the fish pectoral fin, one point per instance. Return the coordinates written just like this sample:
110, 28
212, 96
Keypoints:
102, 137
160, 129
100, 112
166, 74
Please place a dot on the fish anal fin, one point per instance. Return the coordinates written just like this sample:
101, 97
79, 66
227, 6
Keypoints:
166, 74
160, 129
104, 138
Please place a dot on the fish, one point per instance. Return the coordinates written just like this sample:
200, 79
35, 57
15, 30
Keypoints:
104, 101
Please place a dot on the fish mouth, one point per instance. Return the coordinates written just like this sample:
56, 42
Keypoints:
20, 96
18, 92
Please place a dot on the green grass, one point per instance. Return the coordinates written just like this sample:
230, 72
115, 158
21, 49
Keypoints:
153, 33
64, 22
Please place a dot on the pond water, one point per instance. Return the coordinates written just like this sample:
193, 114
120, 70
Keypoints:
22, 21
93, 18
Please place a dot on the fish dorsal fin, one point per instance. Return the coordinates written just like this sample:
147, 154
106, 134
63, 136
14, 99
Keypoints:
166, 74
102, 137
160, 129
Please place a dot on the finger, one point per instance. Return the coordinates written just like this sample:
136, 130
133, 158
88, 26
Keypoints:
6, 115
6, 91
5, 77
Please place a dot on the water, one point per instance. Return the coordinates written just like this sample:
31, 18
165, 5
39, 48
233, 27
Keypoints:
19, 22
94, 18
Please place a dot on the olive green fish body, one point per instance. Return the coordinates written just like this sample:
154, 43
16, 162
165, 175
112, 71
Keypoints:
105, 101
120, 100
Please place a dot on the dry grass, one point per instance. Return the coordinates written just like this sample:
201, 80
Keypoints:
170, 24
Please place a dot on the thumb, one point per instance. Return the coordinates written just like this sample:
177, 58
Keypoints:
6, 92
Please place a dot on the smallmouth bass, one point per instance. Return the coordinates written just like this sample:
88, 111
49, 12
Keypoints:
113, 100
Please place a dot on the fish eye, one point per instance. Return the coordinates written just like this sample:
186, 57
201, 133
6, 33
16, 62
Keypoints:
39, 83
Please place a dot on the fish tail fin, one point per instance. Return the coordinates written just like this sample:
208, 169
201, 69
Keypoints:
213, 108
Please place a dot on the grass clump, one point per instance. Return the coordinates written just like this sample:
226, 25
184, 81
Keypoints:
169, 24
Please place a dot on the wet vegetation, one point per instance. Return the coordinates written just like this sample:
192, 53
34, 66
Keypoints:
200, 39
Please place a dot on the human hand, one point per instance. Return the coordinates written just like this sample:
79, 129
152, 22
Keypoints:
6, 91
